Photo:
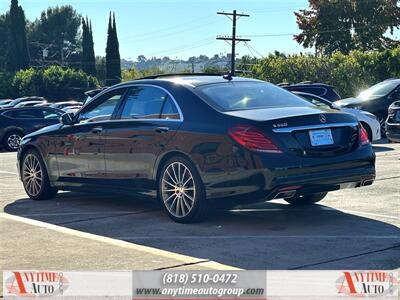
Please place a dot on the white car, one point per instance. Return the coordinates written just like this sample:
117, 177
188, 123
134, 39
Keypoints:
369, 121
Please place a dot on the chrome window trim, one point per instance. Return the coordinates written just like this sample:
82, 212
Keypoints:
310, 127
168, 93
128, 86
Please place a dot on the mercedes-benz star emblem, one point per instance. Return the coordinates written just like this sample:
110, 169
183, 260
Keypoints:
322, 118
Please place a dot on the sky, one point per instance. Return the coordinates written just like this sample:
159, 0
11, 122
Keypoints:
184, 28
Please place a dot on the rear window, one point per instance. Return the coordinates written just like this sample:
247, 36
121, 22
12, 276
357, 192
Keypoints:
248, 95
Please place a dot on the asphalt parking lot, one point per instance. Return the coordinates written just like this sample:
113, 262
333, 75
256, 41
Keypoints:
350, 229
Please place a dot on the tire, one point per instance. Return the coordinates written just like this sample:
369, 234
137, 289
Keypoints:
35, 178
11, 140
181, 191
369, 131
306, 199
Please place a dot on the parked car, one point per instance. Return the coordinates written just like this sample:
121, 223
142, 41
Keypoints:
375, 99
30, 103
23, 99
195, 139
61, 105
369, 121
90, 94
4, 101
17, 122
393, 122
319, 89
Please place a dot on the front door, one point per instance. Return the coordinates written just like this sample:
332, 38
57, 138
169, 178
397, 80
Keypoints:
80, 152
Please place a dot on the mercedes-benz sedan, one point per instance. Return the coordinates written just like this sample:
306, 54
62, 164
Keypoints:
194, 140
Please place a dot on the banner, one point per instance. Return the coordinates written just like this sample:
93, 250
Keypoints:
172, 284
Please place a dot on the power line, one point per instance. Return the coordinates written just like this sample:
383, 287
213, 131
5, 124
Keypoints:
233, 16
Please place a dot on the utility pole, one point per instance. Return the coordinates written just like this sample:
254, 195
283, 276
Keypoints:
233, 16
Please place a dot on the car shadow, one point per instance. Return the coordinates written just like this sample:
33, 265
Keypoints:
263, 236
382, 148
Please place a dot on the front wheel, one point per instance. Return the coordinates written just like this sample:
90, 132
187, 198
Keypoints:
306, 199
181, 191
35, 178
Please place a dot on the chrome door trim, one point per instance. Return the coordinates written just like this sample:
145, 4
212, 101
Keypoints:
310, 127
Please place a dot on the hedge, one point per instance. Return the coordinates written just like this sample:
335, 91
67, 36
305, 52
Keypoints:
349, 74
54, 83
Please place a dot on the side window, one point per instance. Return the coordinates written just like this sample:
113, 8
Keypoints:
144, 102
170, 110
50, 114
101, 109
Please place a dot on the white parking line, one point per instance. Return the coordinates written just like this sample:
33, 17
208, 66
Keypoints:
119, 243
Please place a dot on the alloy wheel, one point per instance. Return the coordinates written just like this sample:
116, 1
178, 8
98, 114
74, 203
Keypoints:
32, 175
178, 189
13, 141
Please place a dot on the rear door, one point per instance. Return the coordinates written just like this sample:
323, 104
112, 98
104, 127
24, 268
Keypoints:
148, 119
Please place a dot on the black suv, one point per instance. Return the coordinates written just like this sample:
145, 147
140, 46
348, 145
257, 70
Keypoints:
375, 99
319, 89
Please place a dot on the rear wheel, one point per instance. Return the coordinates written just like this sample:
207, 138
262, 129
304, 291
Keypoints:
12, 140
35, 177
181, 191
306, 199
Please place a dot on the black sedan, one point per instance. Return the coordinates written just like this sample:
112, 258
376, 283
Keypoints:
393, 122
195, 140
17, 122
375, 99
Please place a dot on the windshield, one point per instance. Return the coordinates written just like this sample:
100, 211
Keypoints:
378, 90
248, 95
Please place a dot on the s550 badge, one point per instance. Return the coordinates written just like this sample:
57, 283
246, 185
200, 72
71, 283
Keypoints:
279, 125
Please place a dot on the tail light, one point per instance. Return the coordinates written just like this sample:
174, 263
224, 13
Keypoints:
253, 139
363, 135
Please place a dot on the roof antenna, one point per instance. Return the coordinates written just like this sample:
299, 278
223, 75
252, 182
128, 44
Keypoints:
227, 76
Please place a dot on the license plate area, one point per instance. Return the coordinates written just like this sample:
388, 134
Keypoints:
320, 137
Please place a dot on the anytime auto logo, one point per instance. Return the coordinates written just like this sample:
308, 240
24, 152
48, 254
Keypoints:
32, 283
367, 284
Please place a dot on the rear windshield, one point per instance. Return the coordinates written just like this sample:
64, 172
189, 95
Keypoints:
231, 96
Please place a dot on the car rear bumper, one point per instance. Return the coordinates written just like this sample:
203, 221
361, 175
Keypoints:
289, 176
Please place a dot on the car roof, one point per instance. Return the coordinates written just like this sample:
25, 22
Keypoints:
28, 107
189, 79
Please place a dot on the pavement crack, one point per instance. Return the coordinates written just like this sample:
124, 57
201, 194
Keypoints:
385, 178
182, 265
346, 257
105, 217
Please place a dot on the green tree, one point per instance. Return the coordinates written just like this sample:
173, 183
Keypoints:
17, 54
113, 58
57, 30
88, 57
3, 37
345, 25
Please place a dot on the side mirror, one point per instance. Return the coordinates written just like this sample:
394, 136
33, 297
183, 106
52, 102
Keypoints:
67, 119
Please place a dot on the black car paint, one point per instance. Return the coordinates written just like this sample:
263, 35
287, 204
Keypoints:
393, 122
127, 155
24, 126
319, 89
377, 105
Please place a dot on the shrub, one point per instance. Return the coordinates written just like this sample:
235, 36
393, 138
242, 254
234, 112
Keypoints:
349, 74
54, 83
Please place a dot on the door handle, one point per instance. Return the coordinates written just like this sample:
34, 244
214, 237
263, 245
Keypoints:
97, 129
162, 129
